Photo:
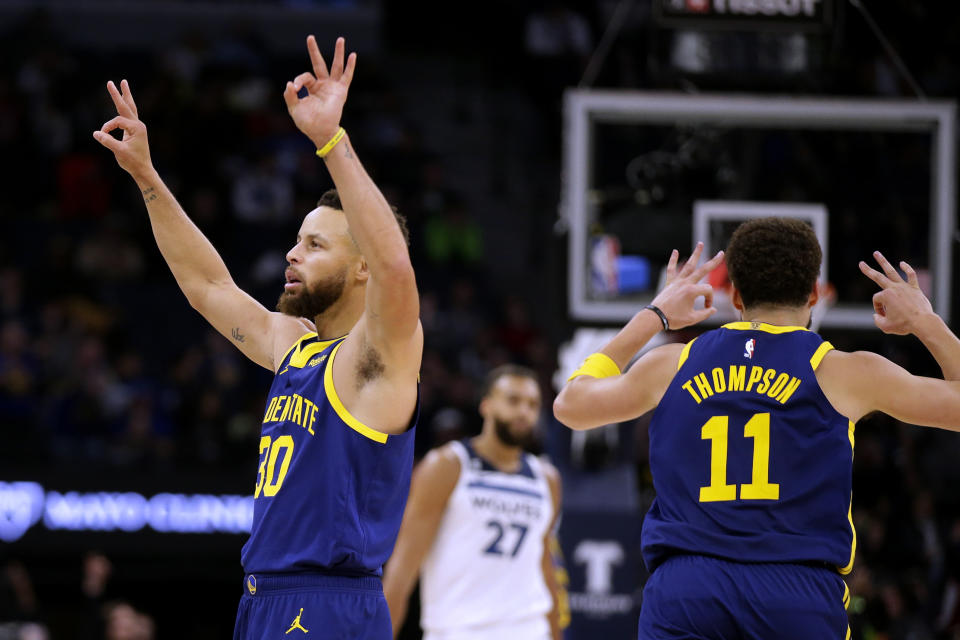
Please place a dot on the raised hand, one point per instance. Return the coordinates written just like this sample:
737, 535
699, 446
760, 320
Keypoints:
132, 151
683, 287
318, 114
900, 305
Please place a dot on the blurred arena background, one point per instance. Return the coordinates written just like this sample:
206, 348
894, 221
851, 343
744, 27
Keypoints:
128, 427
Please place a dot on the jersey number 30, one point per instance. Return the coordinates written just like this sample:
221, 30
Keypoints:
716, 430
269, 478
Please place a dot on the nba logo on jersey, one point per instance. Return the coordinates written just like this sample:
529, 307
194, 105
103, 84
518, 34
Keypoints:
748, 348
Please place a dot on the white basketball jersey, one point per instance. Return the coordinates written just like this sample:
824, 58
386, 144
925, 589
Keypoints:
485, 566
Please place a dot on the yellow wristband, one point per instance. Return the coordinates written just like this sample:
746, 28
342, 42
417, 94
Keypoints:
597, 365
327, 148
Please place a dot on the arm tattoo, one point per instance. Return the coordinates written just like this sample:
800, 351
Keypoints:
237, 335
149, 194
346, 150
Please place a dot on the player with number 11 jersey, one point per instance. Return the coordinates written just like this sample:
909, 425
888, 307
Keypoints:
742, 427
751, 441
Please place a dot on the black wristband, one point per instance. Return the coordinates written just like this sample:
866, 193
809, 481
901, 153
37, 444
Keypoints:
663, 316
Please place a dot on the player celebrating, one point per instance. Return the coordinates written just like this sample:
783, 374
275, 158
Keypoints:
751, 443
480, 515
336, 448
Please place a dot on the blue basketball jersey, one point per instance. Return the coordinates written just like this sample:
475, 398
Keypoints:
330, 491
750, 461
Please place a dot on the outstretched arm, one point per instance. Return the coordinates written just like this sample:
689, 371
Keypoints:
861, 382
586, 402
198, 268
376, 371
391, 322
430, 487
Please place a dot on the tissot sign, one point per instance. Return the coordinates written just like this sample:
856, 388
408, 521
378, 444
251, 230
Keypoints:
24, 505
801, 15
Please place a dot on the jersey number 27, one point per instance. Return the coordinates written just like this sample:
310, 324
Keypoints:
495, 547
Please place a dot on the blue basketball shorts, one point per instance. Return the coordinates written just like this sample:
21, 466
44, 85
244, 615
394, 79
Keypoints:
312, 606
702, 598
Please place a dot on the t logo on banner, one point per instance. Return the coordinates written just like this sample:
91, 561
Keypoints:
600, 556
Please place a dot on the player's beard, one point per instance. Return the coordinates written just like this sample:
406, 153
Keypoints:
506, 435
311, 301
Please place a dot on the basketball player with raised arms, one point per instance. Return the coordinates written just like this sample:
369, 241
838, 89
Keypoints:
336, 446
478, 522
752, 436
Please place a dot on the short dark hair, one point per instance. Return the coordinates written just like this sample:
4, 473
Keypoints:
774, 261
332, 199
504, 370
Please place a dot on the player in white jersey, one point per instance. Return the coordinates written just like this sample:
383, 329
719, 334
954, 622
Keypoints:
477, 527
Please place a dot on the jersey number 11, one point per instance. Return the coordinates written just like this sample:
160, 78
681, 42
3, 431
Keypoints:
716, 430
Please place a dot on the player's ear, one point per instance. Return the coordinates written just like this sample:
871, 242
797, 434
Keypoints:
362, 272
814, 295
736, 299
482, 407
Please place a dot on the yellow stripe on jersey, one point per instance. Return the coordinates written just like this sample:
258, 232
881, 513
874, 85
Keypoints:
685, 354
302, 356
846, 604
299, 359
761, 326
296, 345
341, 410
819, 354
853, 545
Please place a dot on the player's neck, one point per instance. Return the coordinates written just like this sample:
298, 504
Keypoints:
340, 318
778, 316
503, 457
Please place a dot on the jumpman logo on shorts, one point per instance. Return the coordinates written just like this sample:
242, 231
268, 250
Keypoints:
296, 623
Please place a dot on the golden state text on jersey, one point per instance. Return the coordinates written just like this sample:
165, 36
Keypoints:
330, 491
750, 460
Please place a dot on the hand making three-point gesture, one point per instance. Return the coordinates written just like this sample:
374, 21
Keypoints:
683, 287
901, 304
132, 151
318, 113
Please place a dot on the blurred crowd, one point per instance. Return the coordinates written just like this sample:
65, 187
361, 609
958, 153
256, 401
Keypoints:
94, 613
100, 356
102, 361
